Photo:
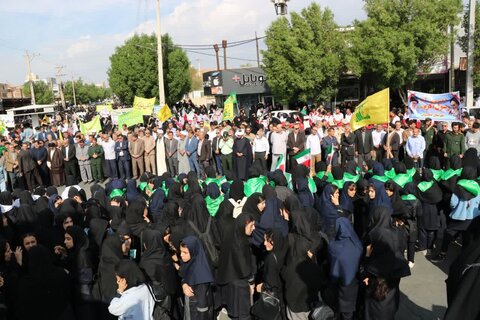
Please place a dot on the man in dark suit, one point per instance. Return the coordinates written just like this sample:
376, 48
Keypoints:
39, 155
295, 144
391, 145
204, 153
123, 157
216, 153
70, 161
363, 145
28, 168
171, 146
42, 133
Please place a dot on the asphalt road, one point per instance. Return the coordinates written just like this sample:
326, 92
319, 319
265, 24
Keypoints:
424, 295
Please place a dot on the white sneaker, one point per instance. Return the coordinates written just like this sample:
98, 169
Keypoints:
411, 264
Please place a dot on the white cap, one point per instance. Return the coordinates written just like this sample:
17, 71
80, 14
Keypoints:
184, 132
240, 132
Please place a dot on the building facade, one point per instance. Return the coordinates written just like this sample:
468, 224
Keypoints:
250, 85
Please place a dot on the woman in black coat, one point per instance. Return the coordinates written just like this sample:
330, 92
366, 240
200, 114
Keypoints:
384, 267
157, 267
44, 293
78, 262
276, 245
237, 273
197, 280
301, 273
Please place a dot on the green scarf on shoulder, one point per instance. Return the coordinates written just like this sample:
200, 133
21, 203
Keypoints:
402, 179
451, 173
117, 193
254, 185
350, 177
437, 174
425, 185
470, 185
408, 197
213, 204
381, 178
390, 173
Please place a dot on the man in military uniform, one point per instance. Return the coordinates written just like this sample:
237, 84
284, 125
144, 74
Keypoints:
428, 132
95, 151
454, 143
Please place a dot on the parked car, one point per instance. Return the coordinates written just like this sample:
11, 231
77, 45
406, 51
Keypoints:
283, 115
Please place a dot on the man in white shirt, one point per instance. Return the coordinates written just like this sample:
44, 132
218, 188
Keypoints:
261, 149
377, 137
213, 131
279, 145
108, 146
313, 143
338, 116
348, 116
415, 147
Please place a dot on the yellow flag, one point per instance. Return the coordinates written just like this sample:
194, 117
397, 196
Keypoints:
92, 126
373, 110
164, 113
143, 104
228, 107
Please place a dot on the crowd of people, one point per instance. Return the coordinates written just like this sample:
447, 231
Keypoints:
200, 216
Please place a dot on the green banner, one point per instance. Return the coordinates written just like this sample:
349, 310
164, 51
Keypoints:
91, 126
130, 118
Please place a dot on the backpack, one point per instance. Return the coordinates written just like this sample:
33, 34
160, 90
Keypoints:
237, 206
207, 241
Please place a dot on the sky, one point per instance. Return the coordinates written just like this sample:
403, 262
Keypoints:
81, 35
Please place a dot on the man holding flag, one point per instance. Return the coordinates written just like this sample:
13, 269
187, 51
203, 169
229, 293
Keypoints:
330, 147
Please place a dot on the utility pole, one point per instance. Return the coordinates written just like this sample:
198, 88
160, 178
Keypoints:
224, 46
73, 89
161, 86
451, 76
215, 46
471, 45
58, 75
258, 51
29, 58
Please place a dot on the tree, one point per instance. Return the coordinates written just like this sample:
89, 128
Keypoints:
134, 69
463, 41
43, 92
85, 92
197, 81
399, 38
304, 57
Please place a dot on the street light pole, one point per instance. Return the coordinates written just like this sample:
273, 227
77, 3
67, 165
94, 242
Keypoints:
471, 45
29, 58
161, 86
74, 96
280, 7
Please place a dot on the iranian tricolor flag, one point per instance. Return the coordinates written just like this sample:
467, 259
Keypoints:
281, 163
330, 151
303, 158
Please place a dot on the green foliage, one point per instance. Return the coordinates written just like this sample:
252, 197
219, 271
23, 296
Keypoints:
134, 69
197, 82
306, 56
85, 92
463, 41
400, 38
43, 92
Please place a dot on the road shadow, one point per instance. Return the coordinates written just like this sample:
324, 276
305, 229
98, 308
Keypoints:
408, 310
454, 250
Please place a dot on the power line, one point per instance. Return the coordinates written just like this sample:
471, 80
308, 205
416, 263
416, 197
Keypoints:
213, 55
230, 43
